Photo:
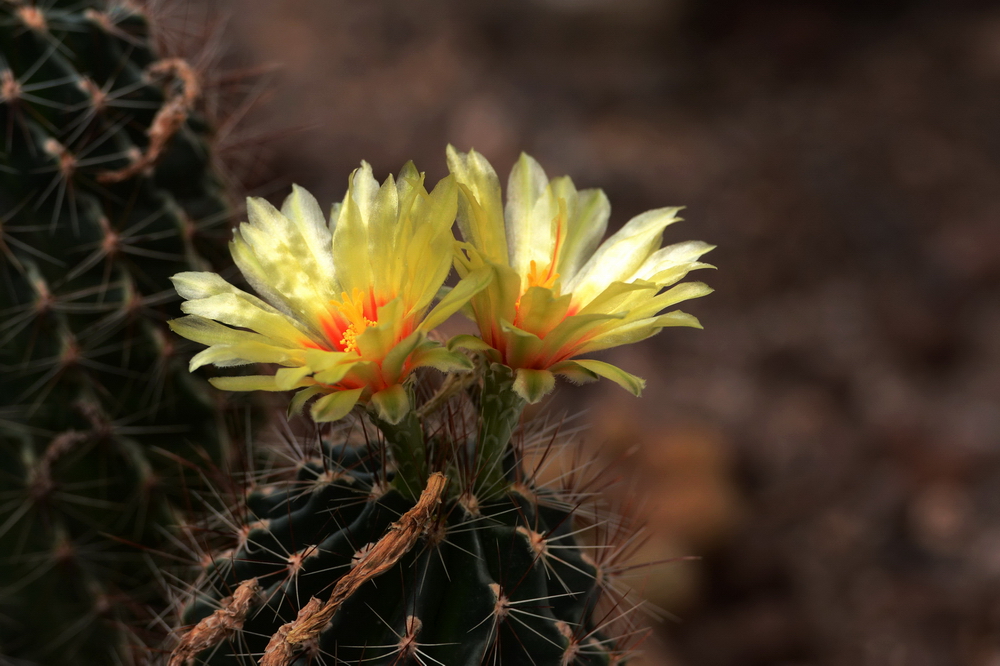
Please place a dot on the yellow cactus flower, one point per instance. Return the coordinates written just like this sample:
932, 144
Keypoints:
558, 292
344, 306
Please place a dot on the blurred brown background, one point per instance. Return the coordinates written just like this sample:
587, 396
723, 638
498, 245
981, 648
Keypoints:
830, 444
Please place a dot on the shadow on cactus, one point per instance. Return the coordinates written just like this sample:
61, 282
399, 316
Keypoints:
416, 528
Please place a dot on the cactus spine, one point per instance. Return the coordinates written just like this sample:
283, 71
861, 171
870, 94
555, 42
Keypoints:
106, 189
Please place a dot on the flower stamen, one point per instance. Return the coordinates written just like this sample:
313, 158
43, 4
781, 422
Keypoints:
352, 309
545, 278
541, 278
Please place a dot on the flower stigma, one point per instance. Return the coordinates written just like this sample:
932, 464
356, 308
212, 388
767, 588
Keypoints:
541, 278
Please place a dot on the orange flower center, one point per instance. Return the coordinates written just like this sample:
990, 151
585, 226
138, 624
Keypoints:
352, 309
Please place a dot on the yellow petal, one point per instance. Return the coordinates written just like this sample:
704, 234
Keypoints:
289, 378
333, 375
564, 338
244, 353
208, 332
629, 382
441, 358
670, 256
241, 309
246, 383
376, 341
395, 359
615, 296
466, 341
522, 347
574, 372
335, 406
350, 237
300, 399
636, 331
320, 359
192, 285
480, 210
270, 244
382, 228
392, 403
540, 312
529, 214
498, 302
533, 385
682, 292
588, 213
618, 258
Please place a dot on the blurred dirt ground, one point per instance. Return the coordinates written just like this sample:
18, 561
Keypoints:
830, 444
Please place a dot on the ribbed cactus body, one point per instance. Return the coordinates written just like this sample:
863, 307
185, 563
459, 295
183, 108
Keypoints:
106, 190
503, 582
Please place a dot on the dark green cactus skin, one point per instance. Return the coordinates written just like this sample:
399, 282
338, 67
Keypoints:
481, 592
98, 413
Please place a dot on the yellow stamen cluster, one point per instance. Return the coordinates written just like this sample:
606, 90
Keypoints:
353, 309
545, 278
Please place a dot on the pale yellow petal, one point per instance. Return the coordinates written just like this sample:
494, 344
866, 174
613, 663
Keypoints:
376, 341
289, 378
392, 403
335, 406
335, 373
209, 332
244, 353
574, 372
364, 190
671, 256
382, 247
617, 294
682, 292
588, 213
240, 309
528, 215
522, 346
533, 385
628, 381
300, 399
191, 285
288, 261
395, 360
305, 213
440, 358
637, 331
480, 210
621, 255
350, 245
246, 383
320, 359
540, 311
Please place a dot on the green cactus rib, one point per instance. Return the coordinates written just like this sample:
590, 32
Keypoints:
107, 188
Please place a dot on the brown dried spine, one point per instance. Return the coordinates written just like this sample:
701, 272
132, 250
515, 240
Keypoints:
217, 626
170, 118
402, 536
